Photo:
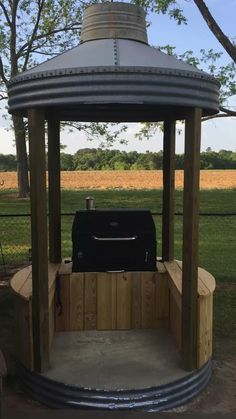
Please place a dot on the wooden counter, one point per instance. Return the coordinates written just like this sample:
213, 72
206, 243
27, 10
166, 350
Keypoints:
118, 301
108, 300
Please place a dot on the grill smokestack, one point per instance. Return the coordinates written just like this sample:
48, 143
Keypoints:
89, 203
114, 20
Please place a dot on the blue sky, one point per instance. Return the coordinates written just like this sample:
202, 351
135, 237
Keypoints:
216, 134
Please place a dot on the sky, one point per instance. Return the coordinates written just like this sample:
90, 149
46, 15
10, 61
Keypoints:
217, 133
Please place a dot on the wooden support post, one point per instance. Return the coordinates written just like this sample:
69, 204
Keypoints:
190, 238
54, 195
168, 191
40, 307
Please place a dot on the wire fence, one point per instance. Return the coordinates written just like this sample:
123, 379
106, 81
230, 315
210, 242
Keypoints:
217, 245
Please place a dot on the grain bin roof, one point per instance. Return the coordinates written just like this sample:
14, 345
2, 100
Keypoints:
114, 75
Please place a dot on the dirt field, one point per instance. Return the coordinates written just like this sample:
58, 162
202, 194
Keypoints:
143, 179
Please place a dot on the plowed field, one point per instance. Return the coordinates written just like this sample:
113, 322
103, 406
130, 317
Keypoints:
150, 179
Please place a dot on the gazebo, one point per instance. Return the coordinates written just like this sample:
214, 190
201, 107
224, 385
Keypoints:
113, 75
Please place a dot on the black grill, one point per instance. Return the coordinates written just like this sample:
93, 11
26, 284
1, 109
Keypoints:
113, 240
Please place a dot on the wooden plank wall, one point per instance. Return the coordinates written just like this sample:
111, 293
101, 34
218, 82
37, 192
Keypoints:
108, 301
175, 321
204, 332
23, 330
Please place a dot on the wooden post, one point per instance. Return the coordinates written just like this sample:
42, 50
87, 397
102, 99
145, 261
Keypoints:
54, 195
190, 238
168, 191
40, 309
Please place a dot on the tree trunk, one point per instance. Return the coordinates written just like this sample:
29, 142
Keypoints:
21, 155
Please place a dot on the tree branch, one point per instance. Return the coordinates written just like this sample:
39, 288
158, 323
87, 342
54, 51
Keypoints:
220, 115
30, 43
215, 29
6, 14
3, 97
45, 35
2, 75
227, 111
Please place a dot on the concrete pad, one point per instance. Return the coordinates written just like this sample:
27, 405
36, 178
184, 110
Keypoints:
115, 360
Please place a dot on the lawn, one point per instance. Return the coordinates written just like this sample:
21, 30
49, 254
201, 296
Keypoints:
217, 234
217, 247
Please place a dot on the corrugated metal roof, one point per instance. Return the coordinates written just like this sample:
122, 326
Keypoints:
116, 72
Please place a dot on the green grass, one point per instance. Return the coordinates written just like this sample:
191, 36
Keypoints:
225, 313
217, 200
217, 247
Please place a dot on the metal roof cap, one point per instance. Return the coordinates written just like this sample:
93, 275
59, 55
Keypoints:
114, 72
114, 20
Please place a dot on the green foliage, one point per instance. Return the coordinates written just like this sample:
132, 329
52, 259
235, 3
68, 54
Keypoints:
169, 7
67, 162
36, 28
208, 60
102, 159
8, 163
105, 159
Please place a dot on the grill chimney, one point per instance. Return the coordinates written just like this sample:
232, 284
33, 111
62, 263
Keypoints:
114, 20
89, 202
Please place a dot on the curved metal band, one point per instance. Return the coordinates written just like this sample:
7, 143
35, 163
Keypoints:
114, 87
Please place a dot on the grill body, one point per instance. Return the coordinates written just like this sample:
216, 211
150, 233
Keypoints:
113, 240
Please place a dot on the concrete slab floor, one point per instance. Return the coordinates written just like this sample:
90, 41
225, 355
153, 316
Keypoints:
115, 360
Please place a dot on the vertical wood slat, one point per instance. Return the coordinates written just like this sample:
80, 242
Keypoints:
106, 301
109, 301
161, 301
40, 308
114, 300
205, 311
123, 301
148, 300
190, 238
175, 321
76, 305
54, 195
62, 319
168, 191
136, 298
23, 325
90, 301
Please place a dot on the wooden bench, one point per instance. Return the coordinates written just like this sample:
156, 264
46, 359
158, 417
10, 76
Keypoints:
105, 301
206, 287
21, 284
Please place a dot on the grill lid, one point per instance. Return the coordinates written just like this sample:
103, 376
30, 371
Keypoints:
113, 221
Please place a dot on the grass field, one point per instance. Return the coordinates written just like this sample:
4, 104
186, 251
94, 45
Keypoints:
217, 248
217, 234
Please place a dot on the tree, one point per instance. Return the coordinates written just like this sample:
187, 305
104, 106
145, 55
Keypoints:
225, 74
30, 30
36, 30
67, 162
7, 163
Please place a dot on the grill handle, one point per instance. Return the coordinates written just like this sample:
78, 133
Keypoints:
114, 239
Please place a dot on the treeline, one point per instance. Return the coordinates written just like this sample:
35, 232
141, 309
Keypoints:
100, 159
